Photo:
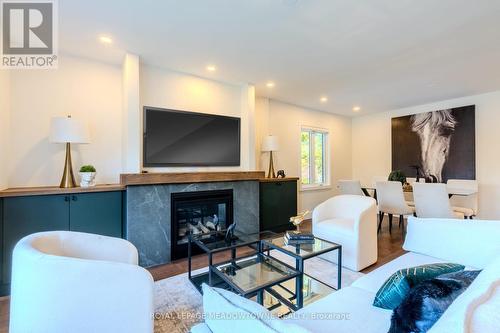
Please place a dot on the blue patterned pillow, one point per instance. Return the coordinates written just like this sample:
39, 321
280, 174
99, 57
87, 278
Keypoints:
394, 290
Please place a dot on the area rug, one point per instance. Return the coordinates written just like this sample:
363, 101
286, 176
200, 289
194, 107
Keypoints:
178, 305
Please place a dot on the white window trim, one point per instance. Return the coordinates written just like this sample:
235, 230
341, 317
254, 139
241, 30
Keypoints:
326, 185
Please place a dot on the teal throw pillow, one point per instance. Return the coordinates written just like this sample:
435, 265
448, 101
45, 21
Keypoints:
394, 290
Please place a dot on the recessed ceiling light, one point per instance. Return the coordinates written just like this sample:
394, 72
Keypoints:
323, 99
211, 68
106, 40
270, 84
356, 108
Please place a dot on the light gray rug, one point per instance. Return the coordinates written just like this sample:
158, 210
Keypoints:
178, 305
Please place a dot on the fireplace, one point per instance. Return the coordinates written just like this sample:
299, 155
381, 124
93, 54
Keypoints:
197, 213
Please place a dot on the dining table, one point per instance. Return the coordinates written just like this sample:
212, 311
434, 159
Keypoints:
451, 191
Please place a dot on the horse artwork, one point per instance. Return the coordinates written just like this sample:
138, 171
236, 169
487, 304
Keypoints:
437, 145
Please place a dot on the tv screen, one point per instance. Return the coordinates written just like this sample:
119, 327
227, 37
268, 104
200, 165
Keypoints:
180, 138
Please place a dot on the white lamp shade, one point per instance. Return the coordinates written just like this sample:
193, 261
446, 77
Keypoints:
270, 143
68, 130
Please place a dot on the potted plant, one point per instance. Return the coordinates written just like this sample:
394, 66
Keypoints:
87, 176
399, 176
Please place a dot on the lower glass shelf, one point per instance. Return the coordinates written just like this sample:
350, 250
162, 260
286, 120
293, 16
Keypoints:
217, 282
312, 291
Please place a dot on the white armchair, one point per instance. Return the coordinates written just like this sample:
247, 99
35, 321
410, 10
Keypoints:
75, 282
351, 221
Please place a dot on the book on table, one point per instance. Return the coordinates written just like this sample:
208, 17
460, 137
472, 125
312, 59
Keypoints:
295, 235
292, 242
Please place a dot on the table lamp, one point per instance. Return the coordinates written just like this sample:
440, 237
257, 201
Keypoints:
270, 144
68, 130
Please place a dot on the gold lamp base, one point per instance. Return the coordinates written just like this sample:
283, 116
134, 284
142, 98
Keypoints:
270, 172
68, 178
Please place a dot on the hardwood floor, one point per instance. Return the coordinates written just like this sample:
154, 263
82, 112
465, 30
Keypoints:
389, 248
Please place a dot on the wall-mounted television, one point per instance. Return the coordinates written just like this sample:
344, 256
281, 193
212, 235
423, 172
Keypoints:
181, 138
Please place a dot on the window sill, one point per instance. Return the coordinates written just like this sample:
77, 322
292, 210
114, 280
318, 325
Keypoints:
305, 188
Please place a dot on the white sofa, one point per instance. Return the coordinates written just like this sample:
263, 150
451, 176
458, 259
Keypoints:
350, 220
75, 282
474, 244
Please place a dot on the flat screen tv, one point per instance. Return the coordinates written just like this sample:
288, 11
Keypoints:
181, 138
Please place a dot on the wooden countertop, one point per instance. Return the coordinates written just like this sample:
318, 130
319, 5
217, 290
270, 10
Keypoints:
275, 180
47, 190
147, 179
188, 177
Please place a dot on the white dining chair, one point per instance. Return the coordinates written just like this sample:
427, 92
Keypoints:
376, 179
466, 204
350, 187
391, 201
431, 201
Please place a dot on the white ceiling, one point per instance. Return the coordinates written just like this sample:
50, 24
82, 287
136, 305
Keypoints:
381, 55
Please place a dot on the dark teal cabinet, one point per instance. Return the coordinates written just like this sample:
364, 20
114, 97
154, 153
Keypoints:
26, 215
278, 202
97, 212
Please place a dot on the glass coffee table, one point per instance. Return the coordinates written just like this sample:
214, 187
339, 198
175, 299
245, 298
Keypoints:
300, 253
272, 282
215, 242
251, 276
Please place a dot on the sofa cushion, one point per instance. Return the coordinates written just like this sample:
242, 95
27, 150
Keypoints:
226, 312
348, 310
476, 310
375, 279
398, 285
426, 302
470, 243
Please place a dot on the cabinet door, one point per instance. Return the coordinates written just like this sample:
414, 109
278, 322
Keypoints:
278, 202
97, 213
27, 215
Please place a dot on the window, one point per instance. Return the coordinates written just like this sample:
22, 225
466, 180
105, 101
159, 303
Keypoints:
313, 157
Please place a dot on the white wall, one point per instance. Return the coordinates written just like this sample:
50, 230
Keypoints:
371, 143
285, 121
173, 90
261, 130
131, 115
110, 99
85, 89
4, 126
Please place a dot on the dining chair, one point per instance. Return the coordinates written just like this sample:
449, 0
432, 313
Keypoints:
466, 204
376, 179
431, 201
350, 187
391, 201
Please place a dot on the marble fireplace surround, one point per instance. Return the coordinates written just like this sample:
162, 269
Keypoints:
148, 207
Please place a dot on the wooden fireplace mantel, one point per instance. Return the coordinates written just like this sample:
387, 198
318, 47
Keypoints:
188, 177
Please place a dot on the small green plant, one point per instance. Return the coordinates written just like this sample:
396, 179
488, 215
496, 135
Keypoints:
87, 168
397, 176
